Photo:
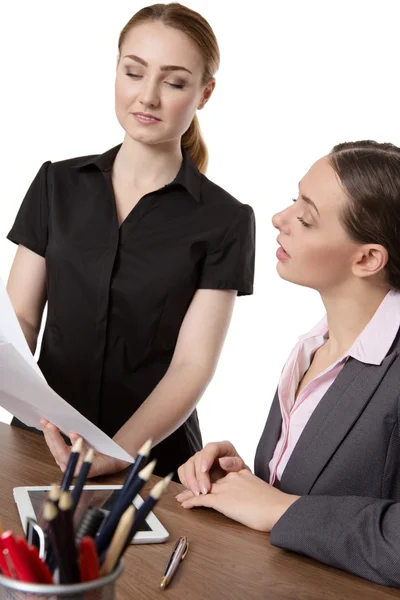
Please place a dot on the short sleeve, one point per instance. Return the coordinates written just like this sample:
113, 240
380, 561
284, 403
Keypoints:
230, 266
31, 224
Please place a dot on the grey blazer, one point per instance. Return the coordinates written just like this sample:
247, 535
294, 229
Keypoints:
346, 467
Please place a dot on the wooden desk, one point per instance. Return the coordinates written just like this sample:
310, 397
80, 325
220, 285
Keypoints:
225, 560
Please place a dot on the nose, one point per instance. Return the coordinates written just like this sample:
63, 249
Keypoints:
149, 93
280, 221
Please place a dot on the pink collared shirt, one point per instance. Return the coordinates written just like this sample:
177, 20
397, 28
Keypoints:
370, 347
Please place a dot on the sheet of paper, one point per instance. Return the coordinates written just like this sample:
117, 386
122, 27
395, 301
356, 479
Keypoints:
25, 393
27, 396
10, 330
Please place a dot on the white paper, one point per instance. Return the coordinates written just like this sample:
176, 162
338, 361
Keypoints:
10, 330
25, 393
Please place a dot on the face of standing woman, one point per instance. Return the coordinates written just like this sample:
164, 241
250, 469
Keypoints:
159, 83
314, 248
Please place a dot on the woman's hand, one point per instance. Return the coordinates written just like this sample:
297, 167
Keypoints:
208, 465
102, 464
245, 498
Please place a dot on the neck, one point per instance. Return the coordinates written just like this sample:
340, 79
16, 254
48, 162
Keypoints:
144, 165
348, 312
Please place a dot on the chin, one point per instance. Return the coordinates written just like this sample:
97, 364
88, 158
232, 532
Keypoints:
288, 275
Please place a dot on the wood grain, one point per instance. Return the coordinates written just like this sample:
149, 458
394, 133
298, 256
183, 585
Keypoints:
226, 561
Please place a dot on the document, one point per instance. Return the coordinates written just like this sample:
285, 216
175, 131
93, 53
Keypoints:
25, 393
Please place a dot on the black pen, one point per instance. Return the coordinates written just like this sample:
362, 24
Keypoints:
178, 554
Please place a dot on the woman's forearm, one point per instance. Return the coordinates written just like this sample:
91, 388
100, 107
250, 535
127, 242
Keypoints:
167, 407
30, 333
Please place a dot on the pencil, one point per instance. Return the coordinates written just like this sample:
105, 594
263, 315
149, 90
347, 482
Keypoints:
53, 497
54, 554
54, 494
82, 476
118, 541
120, 507
67, 538
143, 511
138, 465
72, 462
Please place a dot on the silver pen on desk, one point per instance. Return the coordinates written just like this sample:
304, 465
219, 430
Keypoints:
178, 554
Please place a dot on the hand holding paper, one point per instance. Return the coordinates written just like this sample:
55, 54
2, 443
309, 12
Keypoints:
25, 393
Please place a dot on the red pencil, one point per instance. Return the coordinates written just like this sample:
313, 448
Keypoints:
23, 570
31, 556
88, 560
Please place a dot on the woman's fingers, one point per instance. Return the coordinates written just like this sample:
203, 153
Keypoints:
189, 476
231, 463
186, 495
195, 473
56, 444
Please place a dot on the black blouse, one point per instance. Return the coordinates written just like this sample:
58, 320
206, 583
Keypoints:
117, 295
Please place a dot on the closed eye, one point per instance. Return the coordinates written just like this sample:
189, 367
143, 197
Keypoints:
302, 221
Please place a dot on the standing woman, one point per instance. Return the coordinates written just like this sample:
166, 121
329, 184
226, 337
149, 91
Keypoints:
138, 255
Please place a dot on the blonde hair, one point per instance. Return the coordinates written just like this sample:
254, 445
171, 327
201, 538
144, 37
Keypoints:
200, 32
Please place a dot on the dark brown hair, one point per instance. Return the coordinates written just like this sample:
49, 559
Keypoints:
199, 31
370, 175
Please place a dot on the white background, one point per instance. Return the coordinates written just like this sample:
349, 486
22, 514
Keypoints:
295, 79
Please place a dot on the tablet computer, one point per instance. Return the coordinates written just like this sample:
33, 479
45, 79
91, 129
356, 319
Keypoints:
30, 501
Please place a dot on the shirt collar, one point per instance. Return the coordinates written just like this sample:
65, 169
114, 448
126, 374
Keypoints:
188, 175
377, 337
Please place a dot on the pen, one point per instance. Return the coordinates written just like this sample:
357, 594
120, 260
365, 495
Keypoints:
178, 554
30, 556
90, 523
80, 482
17, 556
3, 562
88, 559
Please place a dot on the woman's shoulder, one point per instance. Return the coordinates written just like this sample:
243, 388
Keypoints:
214, 195
101, 160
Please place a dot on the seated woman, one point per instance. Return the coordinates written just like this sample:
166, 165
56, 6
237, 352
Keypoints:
326, 481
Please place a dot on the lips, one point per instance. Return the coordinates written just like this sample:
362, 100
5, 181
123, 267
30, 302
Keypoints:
146, 116
284, 249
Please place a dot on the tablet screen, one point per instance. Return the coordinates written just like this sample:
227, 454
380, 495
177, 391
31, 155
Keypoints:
98, 498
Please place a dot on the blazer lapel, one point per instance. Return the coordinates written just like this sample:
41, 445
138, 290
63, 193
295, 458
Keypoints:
268, 441
330, 422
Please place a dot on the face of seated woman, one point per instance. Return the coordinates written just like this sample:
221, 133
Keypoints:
315, 248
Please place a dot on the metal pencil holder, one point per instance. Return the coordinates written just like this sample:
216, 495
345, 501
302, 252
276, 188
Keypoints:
98, 589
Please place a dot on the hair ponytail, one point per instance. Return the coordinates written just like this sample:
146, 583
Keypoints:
193, 142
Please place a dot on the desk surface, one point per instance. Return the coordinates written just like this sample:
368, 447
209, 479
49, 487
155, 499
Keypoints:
225, 560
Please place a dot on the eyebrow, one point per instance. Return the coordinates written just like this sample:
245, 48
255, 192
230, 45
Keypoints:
309, 201
162, 68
